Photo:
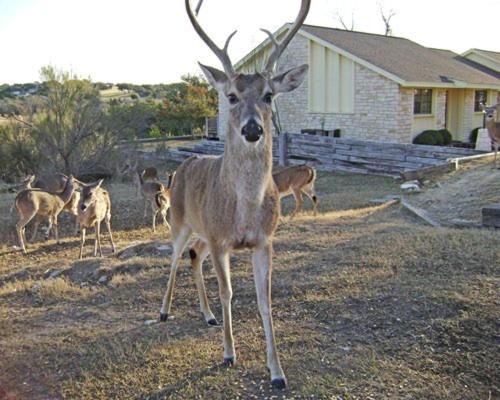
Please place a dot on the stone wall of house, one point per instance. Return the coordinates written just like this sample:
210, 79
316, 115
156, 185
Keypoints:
382, 112
440, 108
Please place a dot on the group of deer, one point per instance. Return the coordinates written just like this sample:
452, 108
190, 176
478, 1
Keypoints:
42, 199
229, 202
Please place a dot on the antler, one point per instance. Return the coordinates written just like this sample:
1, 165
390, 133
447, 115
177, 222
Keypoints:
220, 53
279, 47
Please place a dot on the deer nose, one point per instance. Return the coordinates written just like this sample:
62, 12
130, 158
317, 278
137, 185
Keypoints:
83, 207
252, 131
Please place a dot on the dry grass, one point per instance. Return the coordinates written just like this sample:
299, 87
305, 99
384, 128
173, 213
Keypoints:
368, 304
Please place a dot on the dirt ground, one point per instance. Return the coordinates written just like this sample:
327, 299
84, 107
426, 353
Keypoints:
457, 198
368, 304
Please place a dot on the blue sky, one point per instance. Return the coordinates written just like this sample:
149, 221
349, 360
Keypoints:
151, 41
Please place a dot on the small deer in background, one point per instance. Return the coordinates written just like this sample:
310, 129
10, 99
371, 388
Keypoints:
147, 174
95, 206
38, 204
493, 129
297, 180
231, 201
157, 196
55, 183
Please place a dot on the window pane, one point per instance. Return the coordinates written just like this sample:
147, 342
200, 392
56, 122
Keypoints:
422, 101
479, 97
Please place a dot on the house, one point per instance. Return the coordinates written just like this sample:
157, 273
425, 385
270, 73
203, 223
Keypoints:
375, 87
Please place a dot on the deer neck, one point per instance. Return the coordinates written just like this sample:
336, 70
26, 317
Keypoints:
66, 194
248, 169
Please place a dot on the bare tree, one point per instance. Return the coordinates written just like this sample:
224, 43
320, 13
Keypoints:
387, 19
343, 23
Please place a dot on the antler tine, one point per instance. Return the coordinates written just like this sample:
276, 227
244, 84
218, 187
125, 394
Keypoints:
220, 53
279, 47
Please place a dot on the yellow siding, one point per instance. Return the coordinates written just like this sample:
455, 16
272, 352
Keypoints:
331, 81
316, 77
347, 85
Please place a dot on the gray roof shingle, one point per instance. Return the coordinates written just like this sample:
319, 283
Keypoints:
405, 59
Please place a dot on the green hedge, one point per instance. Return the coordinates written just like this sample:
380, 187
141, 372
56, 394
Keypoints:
433, 137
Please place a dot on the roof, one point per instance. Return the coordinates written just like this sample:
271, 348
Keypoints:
494, 55
403, 58
400, 59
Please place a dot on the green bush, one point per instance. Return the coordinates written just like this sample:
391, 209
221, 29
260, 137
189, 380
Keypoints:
473, 134
429, 137
446, 135
432, 137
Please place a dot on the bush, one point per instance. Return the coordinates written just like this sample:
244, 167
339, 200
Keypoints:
432, 137
429, 137
473, 135
446, 135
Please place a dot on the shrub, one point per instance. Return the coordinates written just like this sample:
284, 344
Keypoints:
473, 135
446, 135
429, 137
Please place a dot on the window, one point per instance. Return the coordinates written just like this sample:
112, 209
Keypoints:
480, 97
422, 101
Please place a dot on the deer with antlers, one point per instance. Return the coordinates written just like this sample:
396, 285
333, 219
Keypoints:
231, 201
95, 206
39, 204
296, 180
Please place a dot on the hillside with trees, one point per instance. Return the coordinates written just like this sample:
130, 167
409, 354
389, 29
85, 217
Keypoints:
71, 124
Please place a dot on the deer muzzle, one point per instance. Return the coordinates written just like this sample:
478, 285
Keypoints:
252, 131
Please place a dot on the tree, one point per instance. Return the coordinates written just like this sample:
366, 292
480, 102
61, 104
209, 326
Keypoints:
70, 125
193, 101
343, 23
387, 19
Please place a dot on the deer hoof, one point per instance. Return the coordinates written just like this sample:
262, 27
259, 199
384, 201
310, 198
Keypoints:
228, 361
163, 317
278, 383
212, 322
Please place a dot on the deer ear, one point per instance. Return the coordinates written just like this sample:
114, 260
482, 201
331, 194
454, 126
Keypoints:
217, 78
290, 80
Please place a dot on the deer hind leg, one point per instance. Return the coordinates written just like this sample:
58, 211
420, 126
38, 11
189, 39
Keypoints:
262, 269
297, 194
107, 220
82, 242
179, 240
21, 229
56, 228
220, 261
35, 228
198, 253
154, 216
163, 212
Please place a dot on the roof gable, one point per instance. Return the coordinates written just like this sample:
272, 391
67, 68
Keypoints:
398, 59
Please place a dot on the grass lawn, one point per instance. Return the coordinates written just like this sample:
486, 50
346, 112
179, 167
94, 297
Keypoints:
367, 302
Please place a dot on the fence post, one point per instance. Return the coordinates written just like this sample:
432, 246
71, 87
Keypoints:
282, 149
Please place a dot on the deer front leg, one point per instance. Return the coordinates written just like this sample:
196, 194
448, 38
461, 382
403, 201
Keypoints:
262, 268
98, 238
297, 194
179, 241
198, 253
82, 242
108, 227
56, 229
220, 260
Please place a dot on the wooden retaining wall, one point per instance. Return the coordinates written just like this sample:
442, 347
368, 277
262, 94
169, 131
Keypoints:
338, 154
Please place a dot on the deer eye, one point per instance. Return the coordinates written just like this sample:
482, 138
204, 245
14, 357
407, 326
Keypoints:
233, 99
268, 98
